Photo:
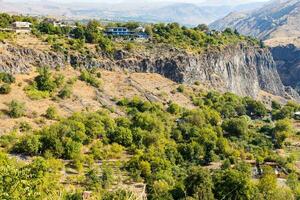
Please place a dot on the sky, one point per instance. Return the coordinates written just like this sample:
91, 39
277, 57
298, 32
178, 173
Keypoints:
138, 1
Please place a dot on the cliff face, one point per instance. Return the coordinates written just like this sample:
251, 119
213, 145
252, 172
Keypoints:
17, 59
288, 64
239, 69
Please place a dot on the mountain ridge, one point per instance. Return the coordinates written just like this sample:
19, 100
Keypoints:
190, 14
275, 19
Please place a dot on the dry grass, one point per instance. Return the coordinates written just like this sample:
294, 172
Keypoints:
116, 85
31, 41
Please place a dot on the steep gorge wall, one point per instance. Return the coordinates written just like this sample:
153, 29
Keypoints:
240, 69
288, 64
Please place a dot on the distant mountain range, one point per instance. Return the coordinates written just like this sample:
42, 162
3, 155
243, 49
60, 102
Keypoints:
277, 19
144, 11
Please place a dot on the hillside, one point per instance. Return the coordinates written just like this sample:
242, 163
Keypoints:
129, 135
275, 20
252, 69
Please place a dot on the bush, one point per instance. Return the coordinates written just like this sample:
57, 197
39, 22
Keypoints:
65, 92
106, 45
130, 46
35, 94
16, 109
174, 108
88, 77
24, 127
44, 81
180, 89
29, 145
5, 89
51, 113
119, 194
7, 78
59, 80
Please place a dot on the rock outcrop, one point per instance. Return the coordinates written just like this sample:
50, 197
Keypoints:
239, 68
288, 64
17, 59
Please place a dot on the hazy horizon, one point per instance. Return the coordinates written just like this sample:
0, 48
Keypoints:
212, 2
191, 12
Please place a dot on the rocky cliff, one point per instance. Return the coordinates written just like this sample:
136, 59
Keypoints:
287, 58
240, 69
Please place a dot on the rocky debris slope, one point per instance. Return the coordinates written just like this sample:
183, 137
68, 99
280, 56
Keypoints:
288, 64
240, 69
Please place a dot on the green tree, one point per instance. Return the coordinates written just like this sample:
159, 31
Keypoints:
44, 80
236, 126
199, 184
122, 136
255, 108
202, 27
29, 145
282, 130
232, 184
268, 184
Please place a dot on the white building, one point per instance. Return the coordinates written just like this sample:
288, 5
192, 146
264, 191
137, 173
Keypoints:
297, 115
22, 27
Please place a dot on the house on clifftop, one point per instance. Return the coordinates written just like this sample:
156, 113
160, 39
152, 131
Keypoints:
124, 32
21, 27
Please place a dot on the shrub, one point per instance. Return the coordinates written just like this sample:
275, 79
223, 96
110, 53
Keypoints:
16, 109
106, 45
180, 89
174, 108
130, 46
44, 81
35, 94
51, 113
7, 78
107, 176
88, 77
119, 194
65, 92
29, 145
59, 80
276, 105
5, 89
24, 127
